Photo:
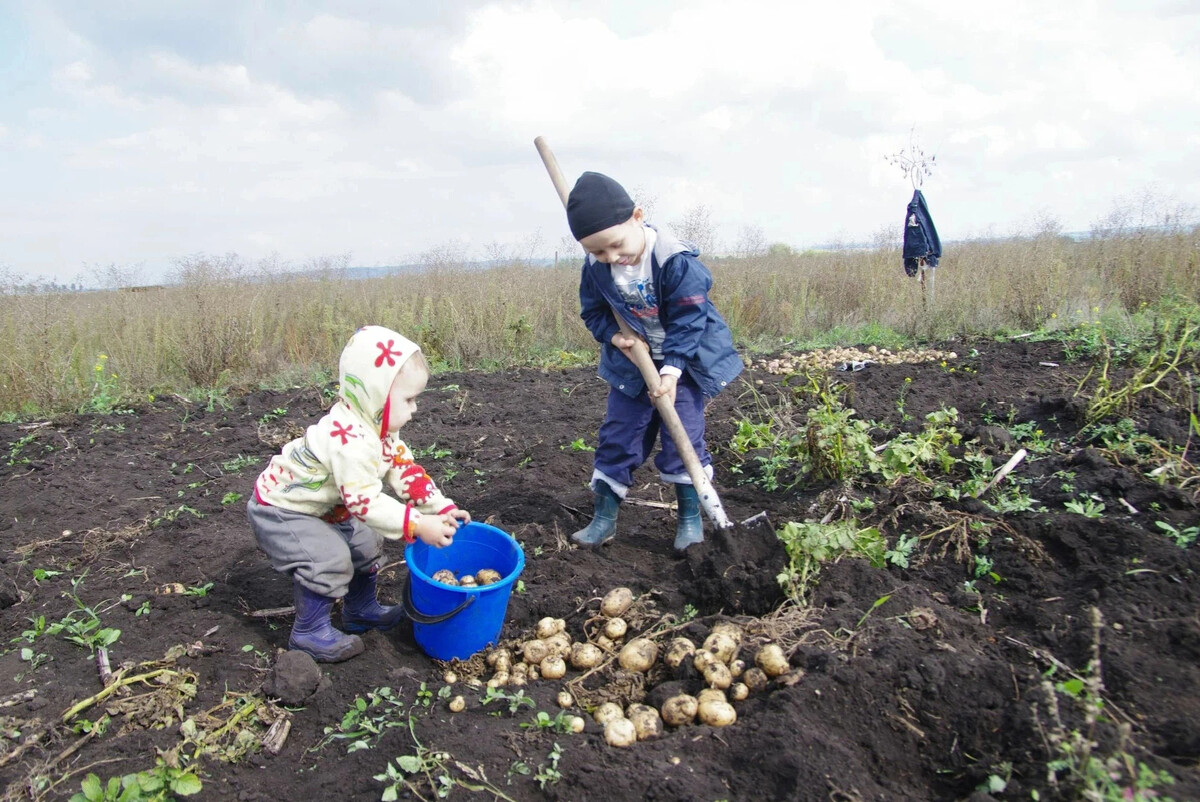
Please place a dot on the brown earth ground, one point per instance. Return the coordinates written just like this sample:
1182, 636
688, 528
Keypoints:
932, 693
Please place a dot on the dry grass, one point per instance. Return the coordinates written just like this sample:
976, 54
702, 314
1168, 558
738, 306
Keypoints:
222, 329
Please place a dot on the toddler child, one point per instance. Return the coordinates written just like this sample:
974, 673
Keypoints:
660, 288
319, 509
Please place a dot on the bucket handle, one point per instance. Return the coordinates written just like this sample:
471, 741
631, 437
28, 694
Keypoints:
410, 609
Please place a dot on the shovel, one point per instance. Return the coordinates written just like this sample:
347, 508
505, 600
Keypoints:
709, 499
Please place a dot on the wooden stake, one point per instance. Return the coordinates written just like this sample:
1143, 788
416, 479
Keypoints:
1000, 474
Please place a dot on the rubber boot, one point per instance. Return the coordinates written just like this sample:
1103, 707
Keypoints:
313, 633
603, 526
361, 609
689, 529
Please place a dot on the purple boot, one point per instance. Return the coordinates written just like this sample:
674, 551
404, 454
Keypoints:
313, 633
361, 609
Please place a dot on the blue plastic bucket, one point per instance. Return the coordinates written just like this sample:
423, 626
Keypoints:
455, 622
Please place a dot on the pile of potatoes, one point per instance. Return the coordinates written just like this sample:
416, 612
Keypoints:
835, 357
484, 576
551, 651
716, 660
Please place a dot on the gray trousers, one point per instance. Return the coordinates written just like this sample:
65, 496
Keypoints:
321, 556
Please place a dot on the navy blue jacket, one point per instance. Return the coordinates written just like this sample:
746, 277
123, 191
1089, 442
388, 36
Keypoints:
920, 237
697, 340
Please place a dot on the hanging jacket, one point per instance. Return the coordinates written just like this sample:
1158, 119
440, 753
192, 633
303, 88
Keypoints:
697, 340
920, 237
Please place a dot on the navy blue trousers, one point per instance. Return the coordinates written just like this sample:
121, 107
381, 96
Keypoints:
631, 425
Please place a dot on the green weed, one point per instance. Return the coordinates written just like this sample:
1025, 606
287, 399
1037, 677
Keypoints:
159, 784
808, 545
1087, 506
239, 462
1182, 537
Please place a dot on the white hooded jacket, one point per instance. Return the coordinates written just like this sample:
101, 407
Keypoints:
341, 464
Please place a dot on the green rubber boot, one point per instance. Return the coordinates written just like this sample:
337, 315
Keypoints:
689, 530
603, 526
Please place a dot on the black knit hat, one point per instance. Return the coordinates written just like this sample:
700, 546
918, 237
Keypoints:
596, 203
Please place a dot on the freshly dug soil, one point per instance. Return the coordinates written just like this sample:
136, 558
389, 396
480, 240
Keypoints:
911, 684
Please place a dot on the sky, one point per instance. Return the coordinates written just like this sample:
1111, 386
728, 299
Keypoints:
137, 133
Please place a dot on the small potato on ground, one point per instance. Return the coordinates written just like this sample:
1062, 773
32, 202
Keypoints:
607, 712
638, 655
550, 626
770, 659
679, 650
585, 656
717, 713
616, 602
620, 732
680, 710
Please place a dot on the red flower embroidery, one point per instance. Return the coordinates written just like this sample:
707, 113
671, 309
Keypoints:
387, 353
420, 486
343, 432
356, 505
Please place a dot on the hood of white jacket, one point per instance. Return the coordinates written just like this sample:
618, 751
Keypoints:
369, 364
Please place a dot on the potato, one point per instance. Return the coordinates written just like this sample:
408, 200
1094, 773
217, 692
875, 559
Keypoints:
550, 626
737, 668
450, 677
615, 628
534, 674
518, 680
755, 679
638, 655
722, 645
553, 667
559, 643
585, 656
728, 628
717, 676
616, 602
605, 643
458, 704
496, 654
487, 576
771, 660
535, 651
607, 712
521, 669
739, 692
467, 581
703, 659
710, 694
446, 577
620, 732
717, 713
565, 699
679, 650
646, 721
498, 680
575, 723
680, 710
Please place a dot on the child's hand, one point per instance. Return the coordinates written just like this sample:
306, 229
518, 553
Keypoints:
436, 530
666, 386
462, 516
625, 343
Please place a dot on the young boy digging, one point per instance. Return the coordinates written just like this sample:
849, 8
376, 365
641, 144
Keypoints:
319, 509
660, 288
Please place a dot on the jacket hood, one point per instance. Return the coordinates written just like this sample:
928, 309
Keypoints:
667, 245
369, 364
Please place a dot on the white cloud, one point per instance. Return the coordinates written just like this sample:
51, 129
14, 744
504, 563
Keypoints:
318, 128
